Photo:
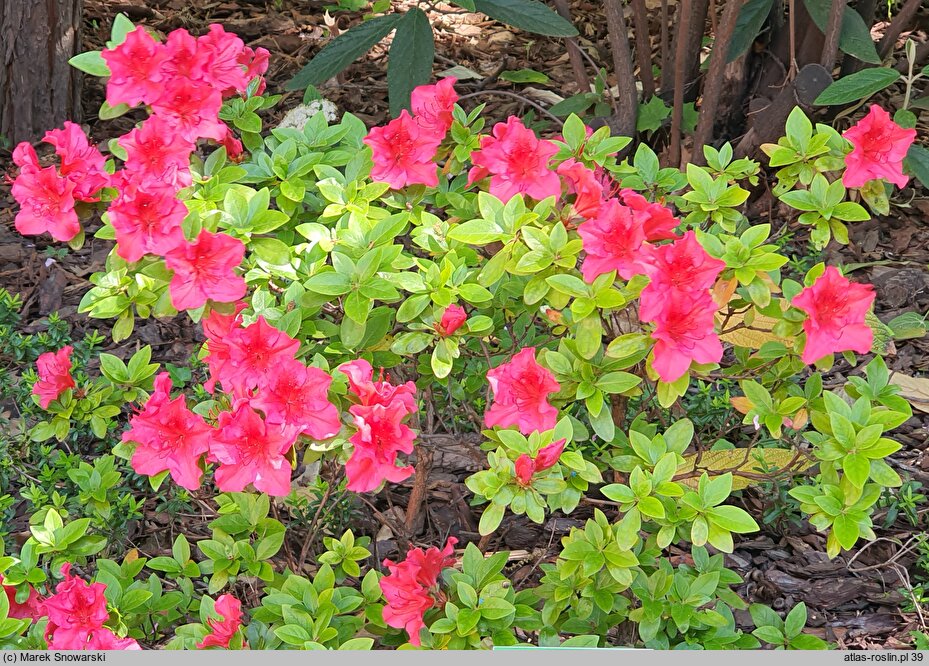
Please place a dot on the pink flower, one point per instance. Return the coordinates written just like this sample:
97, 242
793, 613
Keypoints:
217, 327
256, 64
380, 437
685, 332
403, 153
135, 69
25, 158
146, 220
296, 398
359, 375
169, 436
230, 610
191, 109
184, 57
527, 467
682, 265
256, 354
205, 269
32, 608
105, 639
878, 148
549, 455
75, 611
433, 106
250, 452
657, 221
232, 145
452, 319
54, 375
521, 388
428, 564
836, 308
155, 152
221, 68
81, 163
408, 588
584, 184
46, 204
614, 240
518, 162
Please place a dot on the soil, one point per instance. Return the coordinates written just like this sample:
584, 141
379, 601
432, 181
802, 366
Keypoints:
857, 600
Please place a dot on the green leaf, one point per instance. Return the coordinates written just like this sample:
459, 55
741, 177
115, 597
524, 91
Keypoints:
410, 63
360, 643
795, 620
490, 519
90, 62
855, 38
846, 531
524, 76
329, 283
477, 232
617, 382
343, 50
857, 86
574, 104
589, 335
122, 26
857, 468
527, 15
732, 518
651, 115
271, 250
770, 634
916, 163
751, 17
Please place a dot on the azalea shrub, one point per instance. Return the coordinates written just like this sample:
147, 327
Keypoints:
362, 290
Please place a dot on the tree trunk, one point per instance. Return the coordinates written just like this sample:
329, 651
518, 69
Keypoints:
39, 90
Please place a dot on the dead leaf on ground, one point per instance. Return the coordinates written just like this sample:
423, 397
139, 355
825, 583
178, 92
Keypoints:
754, 337
771, 461
914, 390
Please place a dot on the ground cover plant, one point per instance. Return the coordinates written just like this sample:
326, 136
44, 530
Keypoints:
367, 293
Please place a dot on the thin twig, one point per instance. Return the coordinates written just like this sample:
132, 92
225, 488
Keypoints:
833, 32
506, 93
712, 88
643, 48
575, 55
627, 102
680, 57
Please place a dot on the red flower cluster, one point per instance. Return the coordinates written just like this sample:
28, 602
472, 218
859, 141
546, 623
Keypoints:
620, 237
380, 436
521, 388
527, 466
410, 588
277, 398
617, 238
76, 615
404, 149
47, 196
54, 375
183, 81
